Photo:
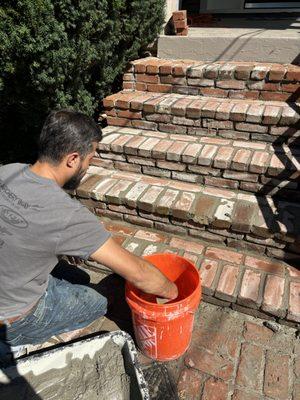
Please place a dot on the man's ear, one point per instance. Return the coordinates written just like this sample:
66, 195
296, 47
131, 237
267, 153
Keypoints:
72, 160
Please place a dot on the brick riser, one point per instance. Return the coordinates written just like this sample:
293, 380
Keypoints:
235, 80
252, 167
221, 216
274, 122
229, 278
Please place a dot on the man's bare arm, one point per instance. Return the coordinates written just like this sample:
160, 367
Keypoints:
136, 270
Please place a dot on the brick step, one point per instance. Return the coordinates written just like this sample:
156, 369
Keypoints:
265, 121
232, 164
250, 284
235, 80
239, 220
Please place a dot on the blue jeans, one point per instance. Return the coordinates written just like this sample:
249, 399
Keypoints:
64, 307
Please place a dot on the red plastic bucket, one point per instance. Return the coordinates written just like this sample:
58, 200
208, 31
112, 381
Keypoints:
163, 331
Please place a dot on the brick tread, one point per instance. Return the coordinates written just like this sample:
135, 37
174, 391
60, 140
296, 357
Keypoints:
231, 79
271, 121
233, 218
216, 266
213, 161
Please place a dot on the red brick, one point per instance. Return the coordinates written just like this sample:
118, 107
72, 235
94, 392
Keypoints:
147, 78
179, 108
122, 209
204, 209
215, 389
223, 157
271, 115
117, 145
119, 229
175, 151
289, 116
240, 126
190, 154
150, 236
239, 112
276, 383
273, 296
159, 88
128, 85
294, 302
259, 72
131, 147
249, 295
277, 73
293, 74
180, 24
210, 363
183, 208
223, 111
207, 154
241, 160
141, 86
250, 366
103, 187
226, 289
257, 334
85, 188
214, 92
231, 84
264, 265
179, 15
225, 255
241, 395
290, 87
114, 121
210, 108
208, 271
146, 147
166, 201
160, 150
271, 87
259, 162
242, 94
114, 195
187, 245
138, 102
243, 71
274, 96
149, 106
190, 383
242, 217
149, 198
109, 101
193, 110
140, 66
124, 99
144, 125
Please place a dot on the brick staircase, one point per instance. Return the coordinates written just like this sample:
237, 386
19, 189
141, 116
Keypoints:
208, 152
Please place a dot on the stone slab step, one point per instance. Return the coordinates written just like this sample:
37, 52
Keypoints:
231, 79
232, 164
256, 120
255, 285
239, 220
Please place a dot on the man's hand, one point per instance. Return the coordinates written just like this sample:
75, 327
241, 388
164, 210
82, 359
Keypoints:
136, 270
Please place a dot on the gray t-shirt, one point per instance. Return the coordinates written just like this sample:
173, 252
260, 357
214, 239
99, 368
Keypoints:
38, 222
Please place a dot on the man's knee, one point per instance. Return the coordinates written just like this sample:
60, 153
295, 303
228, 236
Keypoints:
97, 302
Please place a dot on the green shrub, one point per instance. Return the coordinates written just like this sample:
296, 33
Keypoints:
65, 53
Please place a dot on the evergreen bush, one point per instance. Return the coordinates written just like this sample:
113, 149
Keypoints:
65, 53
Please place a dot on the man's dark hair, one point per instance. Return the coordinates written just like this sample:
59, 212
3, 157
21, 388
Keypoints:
65, 132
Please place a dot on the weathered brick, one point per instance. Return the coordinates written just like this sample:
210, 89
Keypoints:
147, 78
289, 116
251, 127
211, 71
196, 71
225, 255
166, 201
223, 111
187, 245
146, 147
87, 186
204, 209
114, 195
159, 88
231, 84
190, 383
134, 193
215, 389
259, 162
223, 183
223, 214
214, 92
175, 151
242, 217
249, 373
150, 236
277, 73
115, 121
191, 152
241, 395
179, 107
249, 295
144, 125
164, 118
239, 112
273, 301
161, 148
265, 265
294, 302
207, 154
241, 160
183, 208
259, 72
148, 200
170, 128
137, 103
209, 109
98, 193
223, 157
109, 101
243, 71
208, 273
258, 334
227, 71
271, 115
193, 110
131, 146
227, 286
255, 113
277, 372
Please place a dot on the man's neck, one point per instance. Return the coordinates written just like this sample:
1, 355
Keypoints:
48, 171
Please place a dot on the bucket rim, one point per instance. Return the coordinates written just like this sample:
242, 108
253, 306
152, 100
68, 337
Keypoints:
129, 285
